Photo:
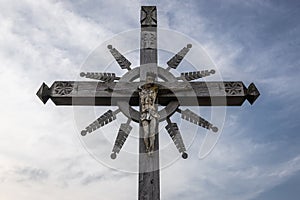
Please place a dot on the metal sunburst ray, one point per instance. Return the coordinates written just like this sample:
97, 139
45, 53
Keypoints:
105, 77
175, 134
176, 59
121, 138
122, 60
190, 76
104, 119
196, 119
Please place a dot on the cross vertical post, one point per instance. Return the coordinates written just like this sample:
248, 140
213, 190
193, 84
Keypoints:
149, 178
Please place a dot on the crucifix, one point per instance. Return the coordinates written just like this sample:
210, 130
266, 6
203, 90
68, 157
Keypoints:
150, 87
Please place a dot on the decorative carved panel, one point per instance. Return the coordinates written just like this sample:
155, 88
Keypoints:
63, 88
148, 40
233, 88
148, 16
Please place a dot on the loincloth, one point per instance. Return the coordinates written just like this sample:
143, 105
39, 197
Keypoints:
149, 114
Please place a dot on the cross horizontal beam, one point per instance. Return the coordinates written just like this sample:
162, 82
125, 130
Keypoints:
188, 93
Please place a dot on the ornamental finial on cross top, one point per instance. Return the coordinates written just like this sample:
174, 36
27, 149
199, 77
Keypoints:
148, 86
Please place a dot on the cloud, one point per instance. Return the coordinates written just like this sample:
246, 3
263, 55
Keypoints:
31, 174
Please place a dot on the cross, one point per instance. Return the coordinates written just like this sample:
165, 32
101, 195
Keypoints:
171, 93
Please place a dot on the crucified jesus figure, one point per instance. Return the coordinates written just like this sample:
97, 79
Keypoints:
149, 115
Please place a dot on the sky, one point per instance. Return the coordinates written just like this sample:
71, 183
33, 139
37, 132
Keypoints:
42, 155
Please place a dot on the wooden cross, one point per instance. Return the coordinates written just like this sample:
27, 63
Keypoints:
111, 90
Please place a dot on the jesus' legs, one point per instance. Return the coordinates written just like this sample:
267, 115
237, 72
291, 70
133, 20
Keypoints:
152, 134
145, 124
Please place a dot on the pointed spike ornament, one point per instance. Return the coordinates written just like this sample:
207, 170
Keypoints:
122, 61
104, 119
174, 133
252, 93
124, 131
176, 60
190, 76
43, 93
194, 118
105, 77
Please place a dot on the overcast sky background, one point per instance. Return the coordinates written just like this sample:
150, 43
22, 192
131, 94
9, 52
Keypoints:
258, 154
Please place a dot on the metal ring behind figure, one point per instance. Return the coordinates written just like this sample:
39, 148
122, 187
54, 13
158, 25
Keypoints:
133, 75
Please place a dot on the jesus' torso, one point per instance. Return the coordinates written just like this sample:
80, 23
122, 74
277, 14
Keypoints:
148, 96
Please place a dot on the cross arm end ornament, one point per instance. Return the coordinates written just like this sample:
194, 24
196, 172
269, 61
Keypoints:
44, 93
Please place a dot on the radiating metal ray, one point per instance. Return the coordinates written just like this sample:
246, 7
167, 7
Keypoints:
175, 60
190, 76
123, 133
122, 61
105, 77
194, 118
174, 133
104, 119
